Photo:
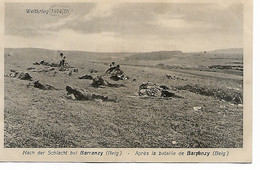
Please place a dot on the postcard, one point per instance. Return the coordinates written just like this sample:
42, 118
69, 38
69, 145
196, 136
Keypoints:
126, 81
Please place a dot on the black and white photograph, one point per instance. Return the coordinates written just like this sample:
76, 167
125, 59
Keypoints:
123, 75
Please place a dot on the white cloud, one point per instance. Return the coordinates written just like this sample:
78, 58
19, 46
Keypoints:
67, 40
101, 10
61, 22
171, 23
128, 28
111, 42
178, 21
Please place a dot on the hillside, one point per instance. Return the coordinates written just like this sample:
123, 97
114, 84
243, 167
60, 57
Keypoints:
228, 51
30, 52
157, 55
196, 107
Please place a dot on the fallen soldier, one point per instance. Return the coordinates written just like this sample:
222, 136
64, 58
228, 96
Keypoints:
41, 86
110, 70
118, 74
112, 67
154, 90
86, 77
100, 82
81, 94
45, 63
20, 75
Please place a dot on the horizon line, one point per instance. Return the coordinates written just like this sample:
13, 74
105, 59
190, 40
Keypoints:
125, 51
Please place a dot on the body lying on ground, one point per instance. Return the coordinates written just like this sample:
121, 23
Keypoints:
81, 94
116, 73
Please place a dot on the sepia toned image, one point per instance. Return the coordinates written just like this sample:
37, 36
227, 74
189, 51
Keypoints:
126, 77
123, 75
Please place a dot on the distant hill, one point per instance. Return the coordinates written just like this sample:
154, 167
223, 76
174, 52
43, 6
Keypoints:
228, 51
129, 56
157, 55
31, 52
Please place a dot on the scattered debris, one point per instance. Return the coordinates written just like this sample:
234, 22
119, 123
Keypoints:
36, 63
13, 73
63, 69
24, 76
169, 76
54, 73
117, 76
93, 71
86, 77
70, 73
174, 142
197, 108
174, 77
20, 75
154, 90
75, 70
31, 68
222, 106
71, 96
12, 70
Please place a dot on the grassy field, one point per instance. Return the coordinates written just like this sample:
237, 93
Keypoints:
47, 118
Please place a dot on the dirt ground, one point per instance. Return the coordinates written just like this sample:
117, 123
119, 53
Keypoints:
36, 118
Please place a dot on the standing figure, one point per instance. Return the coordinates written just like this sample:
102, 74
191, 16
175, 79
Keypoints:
62, 62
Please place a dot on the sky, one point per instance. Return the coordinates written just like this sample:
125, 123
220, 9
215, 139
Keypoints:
125, 27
